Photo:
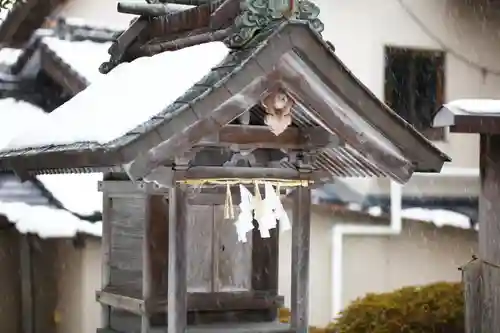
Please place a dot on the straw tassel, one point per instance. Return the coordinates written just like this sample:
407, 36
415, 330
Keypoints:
228, 205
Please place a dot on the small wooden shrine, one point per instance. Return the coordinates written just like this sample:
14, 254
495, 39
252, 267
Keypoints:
278, 115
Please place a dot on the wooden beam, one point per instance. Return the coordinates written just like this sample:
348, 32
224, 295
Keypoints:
27, 301
120, 302
250, 136
241, 172
196, 301
489, 234
223, 300
145, 9
228, 10
300, 258
192, 39
105, 256
177, 259
126, 188
147, 283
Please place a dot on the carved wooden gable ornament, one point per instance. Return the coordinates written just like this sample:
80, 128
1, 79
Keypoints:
250, 78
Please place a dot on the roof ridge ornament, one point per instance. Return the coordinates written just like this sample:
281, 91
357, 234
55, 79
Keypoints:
257, 15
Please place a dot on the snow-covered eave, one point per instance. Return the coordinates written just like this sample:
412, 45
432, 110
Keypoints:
91, 156
47, 222
469, 116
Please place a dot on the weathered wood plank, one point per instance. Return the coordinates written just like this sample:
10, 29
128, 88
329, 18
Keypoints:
243, 172
132, 301
472, 279
489, 233
227, 328
234, 259
177, 253
199, 253
147, 283
123, 321
105, 254
27, 301
252, 136
158, 244
123, 188
265, 252
127, 232
121, 302
300, 258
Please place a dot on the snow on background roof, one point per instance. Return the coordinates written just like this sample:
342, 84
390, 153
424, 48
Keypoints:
9, 56
483, 106
5, 12
73, 191
438, 217
47, 222
76, 192
14, 116
84, 57
125, 98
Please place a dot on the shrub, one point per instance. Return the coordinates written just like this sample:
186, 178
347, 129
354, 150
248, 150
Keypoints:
284, 317
434, 308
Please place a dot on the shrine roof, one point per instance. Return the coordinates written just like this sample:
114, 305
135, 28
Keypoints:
134, 110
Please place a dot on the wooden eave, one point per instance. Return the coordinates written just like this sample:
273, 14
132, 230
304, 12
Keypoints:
61, 72
26, 17
237, 76
342, 82
461, 121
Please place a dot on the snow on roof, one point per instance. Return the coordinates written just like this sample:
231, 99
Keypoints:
126, 97
9, 56
76, 192
84, 57
13, 115
47, 222
484, 106
4, 12
440, 217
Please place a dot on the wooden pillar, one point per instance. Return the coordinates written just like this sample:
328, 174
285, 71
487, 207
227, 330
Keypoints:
300, 259
147, 291
177, 270
489, 238
105, 256
27, 302
472, 279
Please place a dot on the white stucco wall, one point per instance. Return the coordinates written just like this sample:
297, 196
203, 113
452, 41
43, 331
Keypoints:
97, 12
79, 279
421, 254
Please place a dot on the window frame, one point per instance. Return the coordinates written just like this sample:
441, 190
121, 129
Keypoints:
433, 134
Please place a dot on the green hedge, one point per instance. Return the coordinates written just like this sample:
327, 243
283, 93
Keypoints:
435, 308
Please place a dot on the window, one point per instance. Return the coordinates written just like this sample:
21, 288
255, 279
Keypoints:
414, 87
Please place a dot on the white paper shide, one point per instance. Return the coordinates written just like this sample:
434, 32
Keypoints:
267, 211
